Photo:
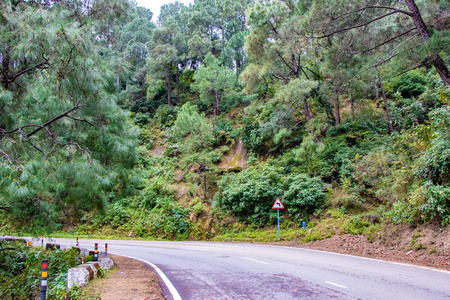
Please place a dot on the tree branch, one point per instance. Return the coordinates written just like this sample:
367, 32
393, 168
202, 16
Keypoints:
395, 10
353, 27
81, 120
38, 66
53, 120
385, 42
284, 61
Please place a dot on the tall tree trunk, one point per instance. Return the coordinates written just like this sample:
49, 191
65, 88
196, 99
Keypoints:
375, 87
386, 105
178, 85
436, 59
352, 106
337, 113
216, 111
169, 85
204, 185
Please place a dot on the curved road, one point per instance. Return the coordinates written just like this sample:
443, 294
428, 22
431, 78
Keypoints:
202, 270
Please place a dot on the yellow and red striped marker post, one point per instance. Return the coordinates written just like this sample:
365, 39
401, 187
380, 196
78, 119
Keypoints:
106, 248
77, 241
42, 241
44, 279
96, 252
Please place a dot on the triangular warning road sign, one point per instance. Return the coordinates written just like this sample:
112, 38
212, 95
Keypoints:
278, 204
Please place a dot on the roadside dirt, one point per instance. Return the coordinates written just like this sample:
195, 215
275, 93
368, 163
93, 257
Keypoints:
130, 280
423, 245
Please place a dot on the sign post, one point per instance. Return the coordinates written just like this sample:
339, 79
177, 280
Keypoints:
278, 205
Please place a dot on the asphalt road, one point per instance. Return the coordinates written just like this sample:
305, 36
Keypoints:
203, 270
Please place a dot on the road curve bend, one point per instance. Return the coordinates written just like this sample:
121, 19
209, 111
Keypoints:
206, 270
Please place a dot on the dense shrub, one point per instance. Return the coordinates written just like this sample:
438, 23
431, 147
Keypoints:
250, 194
437, 155
252, 136
20, 271
411, 84
303, 195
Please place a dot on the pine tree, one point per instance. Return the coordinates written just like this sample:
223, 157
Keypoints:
64, 142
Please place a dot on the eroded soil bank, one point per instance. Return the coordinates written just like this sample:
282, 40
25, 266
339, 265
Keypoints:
425, 245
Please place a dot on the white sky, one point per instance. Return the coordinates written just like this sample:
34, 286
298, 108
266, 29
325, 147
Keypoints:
155, 5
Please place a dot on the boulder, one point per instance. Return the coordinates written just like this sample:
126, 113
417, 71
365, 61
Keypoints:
79, 276
95, 266
84, 252
106, 263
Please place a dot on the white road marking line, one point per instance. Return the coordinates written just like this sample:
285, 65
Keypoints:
258, 261
335, 284
163, 276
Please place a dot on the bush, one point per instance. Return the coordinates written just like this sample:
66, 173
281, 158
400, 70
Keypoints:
252, 137
437, 204
20, 271
165, 115
411, 84
303, 195
437, 155
250, 194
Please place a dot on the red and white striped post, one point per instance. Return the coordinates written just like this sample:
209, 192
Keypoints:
44, 279
96, 252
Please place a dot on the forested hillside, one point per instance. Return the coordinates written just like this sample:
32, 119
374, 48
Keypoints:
190, 124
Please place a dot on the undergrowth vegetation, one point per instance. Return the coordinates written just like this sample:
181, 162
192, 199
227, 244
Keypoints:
20, 271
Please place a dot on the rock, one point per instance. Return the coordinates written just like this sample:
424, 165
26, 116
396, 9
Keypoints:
179, 176
84, 252
79, 276
106, 263
95, 266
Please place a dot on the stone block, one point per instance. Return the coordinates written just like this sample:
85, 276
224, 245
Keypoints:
106, 263
79, 276
94, 265
84, 252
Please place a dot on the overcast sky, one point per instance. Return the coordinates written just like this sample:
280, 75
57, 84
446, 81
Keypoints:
154, 5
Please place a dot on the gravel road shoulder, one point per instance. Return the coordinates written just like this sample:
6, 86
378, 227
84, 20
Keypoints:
129, 280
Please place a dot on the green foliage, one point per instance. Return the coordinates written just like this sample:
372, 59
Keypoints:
252, 137
411, 84
165, 115
436, 204
66, 145
250, 194
20, 271
437, 155
303, 195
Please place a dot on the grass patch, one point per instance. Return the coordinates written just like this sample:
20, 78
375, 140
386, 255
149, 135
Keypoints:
329, 223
